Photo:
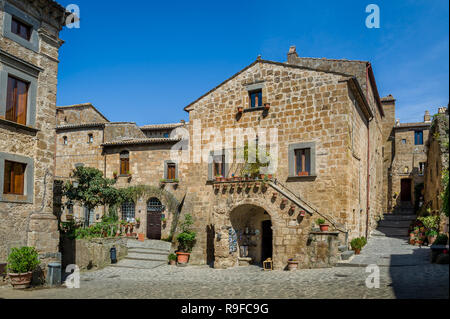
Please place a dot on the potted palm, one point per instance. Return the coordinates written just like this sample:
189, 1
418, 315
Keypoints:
186, 240
322, 225
21, 264
357, 244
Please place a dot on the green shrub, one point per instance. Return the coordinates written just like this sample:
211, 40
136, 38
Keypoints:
430, 222
22, 260
441, 239
186, 239
172, 257
320, 221
358, 243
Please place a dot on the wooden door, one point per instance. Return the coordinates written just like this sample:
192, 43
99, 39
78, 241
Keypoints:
154, 225
405, 193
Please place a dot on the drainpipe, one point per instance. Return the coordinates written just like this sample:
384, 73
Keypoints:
368, 155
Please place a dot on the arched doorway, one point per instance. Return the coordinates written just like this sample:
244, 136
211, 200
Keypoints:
154, 215
251, 235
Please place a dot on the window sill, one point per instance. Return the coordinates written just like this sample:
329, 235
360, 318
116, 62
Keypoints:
19, 126
12, 198
296, 177
254, 109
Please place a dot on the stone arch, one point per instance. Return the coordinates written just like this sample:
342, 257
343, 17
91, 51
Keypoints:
290, 231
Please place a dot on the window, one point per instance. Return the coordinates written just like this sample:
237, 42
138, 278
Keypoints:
302, 162
65, 140
16, 101
128, 211
21, 29
166, 135
90, 138
255, 98
302, 159
219, 165
421, 168
154, 205
171, 168
418, 137
124, 163
14, 178
403, 141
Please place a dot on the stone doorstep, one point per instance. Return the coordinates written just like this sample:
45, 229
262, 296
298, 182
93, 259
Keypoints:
347, 255
140, 250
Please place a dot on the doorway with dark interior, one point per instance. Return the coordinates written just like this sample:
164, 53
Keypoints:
266, 245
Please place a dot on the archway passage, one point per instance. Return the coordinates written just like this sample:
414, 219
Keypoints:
253, 233
405, 193
154, 215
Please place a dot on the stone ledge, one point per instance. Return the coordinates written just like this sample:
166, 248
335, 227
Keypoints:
330, 233
19, 126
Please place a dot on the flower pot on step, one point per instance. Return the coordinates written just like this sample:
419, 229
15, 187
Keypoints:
141, 237
292, 265
21, 281
182, 258
323, 227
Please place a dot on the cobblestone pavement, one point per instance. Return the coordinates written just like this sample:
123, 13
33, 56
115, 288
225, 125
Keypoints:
424, 281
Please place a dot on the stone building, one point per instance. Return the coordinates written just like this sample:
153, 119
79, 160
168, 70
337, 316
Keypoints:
332, 143
437, 162
132, 155
29, 45
408, 158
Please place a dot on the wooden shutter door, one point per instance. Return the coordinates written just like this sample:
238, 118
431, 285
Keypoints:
22, 97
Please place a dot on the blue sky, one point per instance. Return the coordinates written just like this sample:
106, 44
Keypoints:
143, 61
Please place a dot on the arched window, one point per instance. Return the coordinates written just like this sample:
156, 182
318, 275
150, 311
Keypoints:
154, 205
90, 138
124, 163
128, 211
65, 140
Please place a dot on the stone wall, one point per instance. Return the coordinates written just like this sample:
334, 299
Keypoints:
33, 224
93, 253
437, 161
406, 160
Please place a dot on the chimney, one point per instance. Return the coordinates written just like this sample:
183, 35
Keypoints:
292, 54
183, 122
397, 122
427, 117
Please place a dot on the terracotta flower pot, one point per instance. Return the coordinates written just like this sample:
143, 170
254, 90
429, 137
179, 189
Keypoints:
21, 281
182, 258
172, 262
357, 251
240, 109
267, 106
323, 227
141, 237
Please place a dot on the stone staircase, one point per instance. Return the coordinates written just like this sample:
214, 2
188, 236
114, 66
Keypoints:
148, 254
396, 224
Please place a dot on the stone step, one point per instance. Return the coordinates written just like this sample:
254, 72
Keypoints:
139, 264
342, 248
140, 256
391, 232
399, 217
347, 254
149, 243
395, 223
148, 250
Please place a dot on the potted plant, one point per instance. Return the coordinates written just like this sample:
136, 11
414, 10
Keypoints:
266, 106
21, 264
274, 195
186, 240
357, 244
292, 264
431, 236
240, 109
163, 221
172, 259
322, 225
138, 222
284, 201
115, 174
303, 174
269, 176
218, 177
141, 237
